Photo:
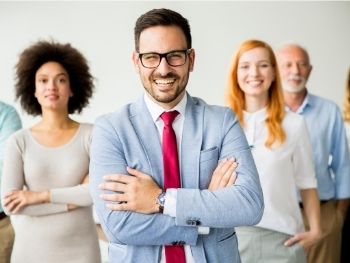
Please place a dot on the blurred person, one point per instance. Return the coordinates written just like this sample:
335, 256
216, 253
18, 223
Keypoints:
171, 200
345, 253
281, 149
329, 144
9, 123
46, 166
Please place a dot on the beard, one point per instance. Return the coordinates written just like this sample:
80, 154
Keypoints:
167, 96
292, 88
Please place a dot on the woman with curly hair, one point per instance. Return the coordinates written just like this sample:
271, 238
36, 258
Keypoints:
46, 166
282, 153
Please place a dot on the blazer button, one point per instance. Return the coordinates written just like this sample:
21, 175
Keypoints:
190, 222
197, 222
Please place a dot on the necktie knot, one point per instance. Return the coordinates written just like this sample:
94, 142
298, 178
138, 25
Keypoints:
168, 117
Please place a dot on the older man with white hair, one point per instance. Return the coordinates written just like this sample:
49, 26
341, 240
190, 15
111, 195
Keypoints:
329, 143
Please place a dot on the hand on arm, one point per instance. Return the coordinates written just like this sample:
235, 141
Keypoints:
224, 174
311, 205
16, 200
137, 193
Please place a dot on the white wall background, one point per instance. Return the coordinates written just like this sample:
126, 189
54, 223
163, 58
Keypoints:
103, 31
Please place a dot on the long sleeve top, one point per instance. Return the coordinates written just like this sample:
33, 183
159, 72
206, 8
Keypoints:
282, 170
49, 232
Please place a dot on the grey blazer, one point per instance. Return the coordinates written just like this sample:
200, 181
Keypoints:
129, 137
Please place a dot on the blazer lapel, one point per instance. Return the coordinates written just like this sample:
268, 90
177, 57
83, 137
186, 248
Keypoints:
149, 138
191, 143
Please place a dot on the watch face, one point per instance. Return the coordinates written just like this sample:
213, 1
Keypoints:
161, 199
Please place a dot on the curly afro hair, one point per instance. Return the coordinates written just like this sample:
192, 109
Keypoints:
41, 52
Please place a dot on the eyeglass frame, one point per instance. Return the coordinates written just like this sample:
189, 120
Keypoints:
164, 55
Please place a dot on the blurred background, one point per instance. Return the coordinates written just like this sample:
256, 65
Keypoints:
103, 32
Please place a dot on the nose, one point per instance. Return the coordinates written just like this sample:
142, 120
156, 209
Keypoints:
295, 68
163, 67
253, 70
51, 85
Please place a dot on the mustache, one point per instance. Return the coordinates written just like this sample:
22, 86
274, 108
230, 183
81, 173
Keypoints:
168, 75
296, 77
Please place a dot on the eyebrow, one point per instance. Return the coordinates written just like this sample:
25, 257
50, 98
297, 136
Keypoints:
57, 75
259, 61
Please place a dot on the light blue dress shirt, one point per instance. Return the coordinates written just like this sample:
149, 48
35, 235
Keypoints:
330, 147
9, 123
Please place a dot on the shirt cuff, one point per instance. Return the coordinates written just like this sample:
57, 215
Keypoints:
170, 202
203, 230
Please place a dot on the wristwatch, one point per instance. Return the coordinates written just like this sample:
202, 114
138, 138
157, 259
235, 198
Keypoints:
161, 201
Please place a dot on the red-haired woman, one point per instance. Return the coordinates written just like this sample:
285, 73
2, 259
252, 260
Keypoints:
282, 152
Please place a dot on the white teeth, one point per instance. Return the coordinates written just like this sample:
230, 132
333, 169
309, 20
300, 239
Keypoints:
255, 82
164, 81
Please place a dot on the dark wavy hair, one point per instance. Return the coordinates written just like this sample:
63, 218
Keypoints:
41, 52
161, 17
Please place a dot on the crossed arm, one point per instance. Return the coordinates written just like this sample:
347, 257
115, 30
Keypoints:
139, 192
15, 201
109, 154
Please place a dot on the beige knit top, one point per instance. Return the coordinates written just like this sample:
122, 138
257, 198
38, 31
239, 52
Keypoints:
49, 232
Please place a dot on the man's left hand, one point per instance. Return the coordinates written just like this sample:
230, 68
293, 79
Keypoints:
137, 193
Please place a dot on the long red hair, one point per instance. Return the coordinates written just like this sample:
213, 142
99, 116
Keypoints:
275, 106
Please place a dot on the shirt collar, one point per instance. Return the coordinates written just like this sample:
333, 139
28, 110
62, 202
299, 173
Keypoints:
258, 116
156, 110
307, 102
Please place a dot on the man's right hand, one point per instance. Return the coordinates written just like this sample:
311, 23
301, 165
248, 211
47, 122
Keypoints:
224, 175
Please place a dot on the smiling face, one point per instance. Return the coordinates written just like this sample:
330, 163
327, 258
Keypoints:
295, 68
255, 73
52, 87
165, 84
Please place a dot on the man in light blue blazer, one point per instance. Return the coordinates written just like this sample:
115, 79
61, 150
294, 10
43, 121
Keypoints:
126, 166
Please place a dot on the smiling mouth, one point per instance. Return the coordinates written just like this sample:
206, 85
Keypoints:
164, 81
255, 83
51, 96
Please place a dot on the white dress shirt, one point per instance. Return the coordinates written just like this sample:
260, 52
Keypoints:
171, 194
282, 170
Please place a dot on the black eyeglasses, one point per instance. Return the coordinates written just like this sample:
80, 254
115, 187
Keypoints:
174, 58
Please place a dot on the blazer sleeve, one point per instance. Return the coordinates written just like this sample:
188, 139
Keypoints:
236, 205
124, 227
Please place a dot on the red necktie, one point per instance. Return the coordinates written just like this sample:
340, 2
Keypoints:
176, 253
